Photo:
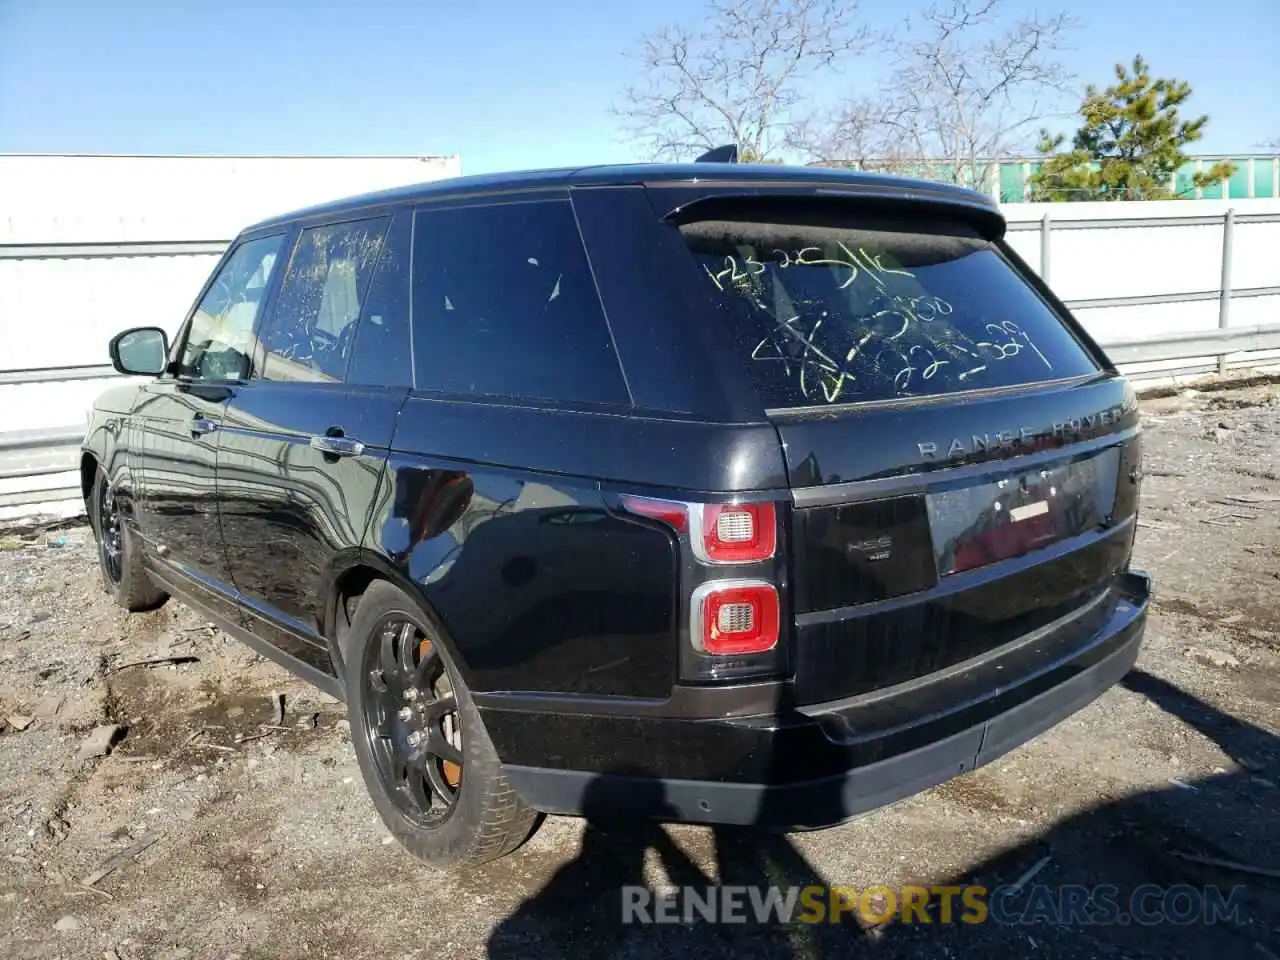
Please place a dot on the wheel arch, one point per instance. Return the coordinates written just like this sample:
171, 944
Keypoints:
88, 475
102, 450
348, 581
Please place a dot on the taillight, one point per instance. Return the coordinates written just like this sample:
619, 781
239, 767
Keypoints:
735, 617
734, 624
718, 532
733, 532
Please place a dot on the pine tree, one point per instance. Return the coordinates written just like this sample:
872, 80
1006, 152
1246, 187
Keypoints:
1130, 144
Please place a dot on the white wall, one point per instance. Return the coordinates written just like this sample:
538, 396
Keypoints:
82, 199
62, 312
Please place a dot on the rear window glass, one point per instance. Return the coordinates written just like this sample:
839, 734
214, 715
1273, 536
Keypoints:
827, 311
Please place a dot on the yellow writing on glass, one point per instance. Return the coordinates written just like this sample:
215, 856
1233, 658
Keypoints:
898, 343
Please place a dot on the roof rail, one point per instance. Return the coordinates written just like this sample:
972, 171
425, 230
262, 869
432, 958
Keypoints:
726, 154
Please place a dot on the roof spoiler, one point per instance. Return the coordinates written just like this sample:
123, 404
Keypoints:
715, 200
726, 154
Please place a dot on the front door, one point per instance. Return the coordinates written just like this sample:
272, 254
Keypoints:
303, 444
181, 414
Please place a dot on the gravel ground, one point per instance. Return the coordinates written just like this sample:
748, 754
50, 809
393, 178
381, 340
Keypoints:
237, 788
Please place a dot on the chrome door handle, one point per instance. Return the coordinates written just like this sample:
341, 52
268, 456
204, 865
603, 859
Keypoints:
201, 425
337, 446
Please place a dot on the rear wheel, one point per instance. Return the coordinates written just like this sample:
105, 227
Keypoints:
423, 751
124, 574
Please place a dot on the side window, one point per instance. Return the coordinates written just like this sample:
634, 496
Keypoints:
504, 304
382, 354
219, 342
312, 327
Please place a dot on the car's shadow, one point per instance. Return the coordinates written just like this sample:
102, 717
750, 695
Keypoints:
1147, 850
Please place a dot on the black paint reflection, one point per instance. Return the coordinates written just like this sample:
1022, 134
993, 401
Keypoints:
292, 514
540, 587
988, 522
177, 510
860, 552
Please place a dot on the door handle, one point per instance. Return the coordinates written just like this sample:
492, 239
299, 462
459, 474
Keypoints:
337, 446
202, 425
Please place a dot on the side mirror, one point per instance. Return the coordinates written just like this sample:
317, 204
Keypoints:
140, 352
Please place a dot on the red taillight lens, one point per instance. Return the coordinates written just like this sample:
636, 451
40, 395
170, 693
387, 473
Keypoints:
734, 532
736, 617
673, 514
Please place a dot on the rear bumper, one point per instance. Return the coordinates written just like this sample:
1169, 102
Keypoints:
753, 764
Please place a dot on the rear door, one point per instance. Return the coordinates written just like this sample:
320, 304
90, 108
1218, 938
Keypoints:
304, 441
963, 463
494, 508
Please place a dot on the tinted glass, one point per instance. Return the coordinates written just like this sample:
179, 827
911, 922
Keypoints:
382, 355
827, 310
504, 304
313, 325
219, 343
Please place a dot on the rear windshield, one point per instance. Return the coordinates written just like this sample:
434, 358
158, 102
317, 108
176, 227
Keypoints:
825, 310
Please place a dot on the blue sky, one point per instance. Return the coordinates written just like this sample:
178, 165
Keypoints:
503, 83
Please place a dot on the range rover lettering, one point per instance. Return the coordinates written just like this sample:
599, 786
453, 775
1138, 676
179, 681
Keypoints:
712, 492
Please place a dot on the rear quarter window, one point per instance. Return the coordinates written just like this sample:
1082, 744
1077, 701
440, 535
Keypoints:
505, 305
825, 308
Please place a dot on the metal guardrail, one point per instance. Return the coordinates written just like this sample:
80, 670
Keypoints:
52, 452
38, 439
27, 498
34, 453
126, 248
1156, 298
1121, 222
54, 374
39, 453
1046, 226
1187, 346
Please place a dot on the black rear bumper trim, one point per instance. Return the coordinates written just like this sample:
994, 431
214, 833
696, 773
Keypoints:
970, 579
834, 799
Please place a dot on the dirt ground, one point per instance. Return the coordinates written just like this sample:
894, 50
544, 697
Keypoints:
235, 791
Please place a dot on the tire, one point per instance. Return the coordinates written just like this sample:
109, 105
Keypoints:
124, 574
486, 818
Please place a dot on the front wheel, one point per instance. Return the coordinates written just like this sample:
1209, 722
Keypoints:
124, 574
426, 759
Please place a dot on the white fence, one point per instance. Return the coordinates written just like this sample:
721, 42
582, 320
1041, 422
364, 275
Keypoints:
91, 245
1145, 271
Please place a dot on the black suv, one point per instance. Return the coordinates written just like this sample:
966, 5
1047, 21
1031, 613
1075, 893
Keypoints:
719, 493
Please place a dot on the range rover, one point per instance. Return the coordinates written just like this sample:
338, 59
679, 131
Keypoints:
714, 492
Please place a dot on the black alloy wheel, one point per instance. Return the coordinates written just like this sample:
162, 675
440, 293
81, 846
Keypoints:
110, 539
120, 552
412, 722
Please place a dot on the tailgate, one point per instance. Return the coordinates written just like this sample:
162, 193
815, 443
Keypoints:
908, 563
963, 460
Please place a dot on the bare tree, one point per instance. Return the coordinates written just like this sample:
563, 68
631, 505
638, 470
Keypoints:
738, 78
970, 86
863, 133
966, 85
